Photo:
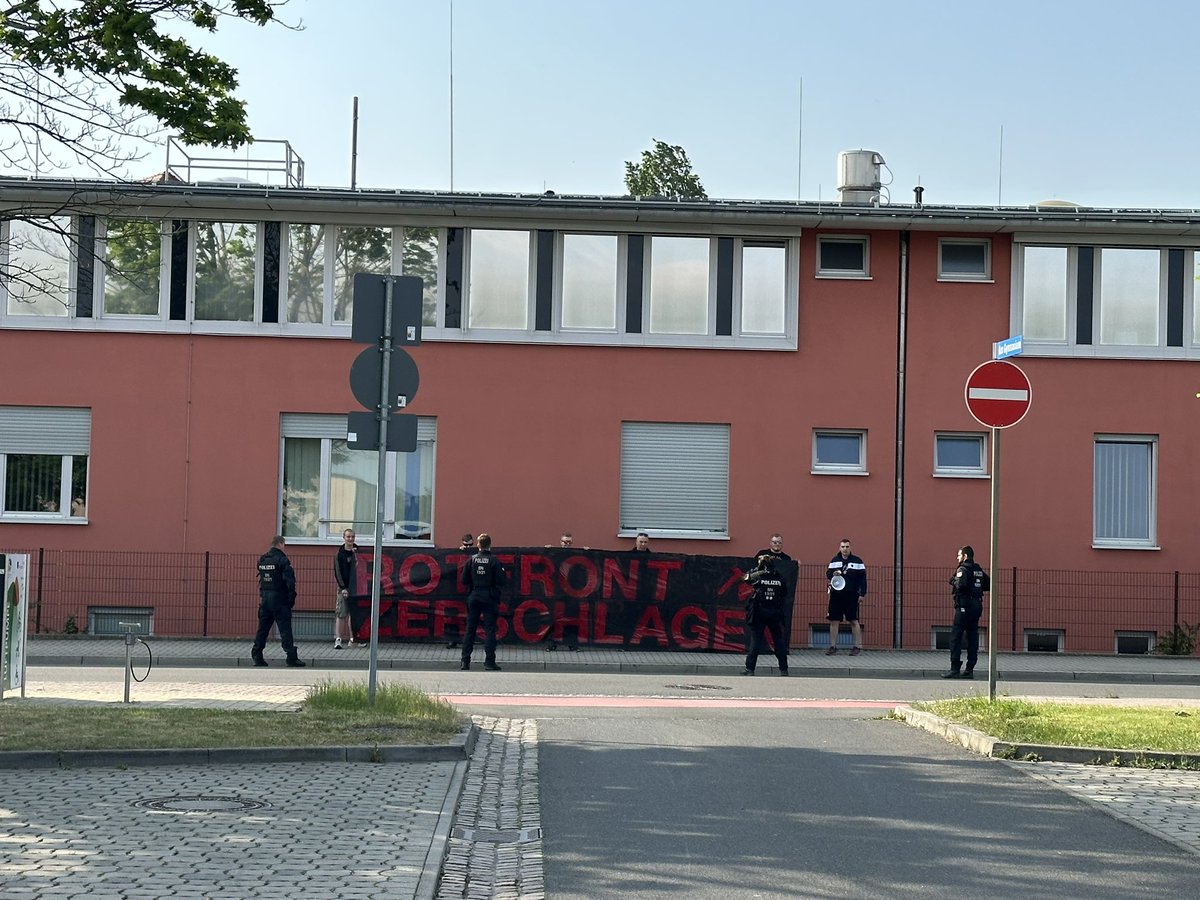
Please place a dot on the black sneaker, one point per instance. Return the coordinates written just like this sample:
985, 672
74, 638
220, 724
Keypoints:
551, 647
492, 667
953, 673
783, 673
296, 662
968, 674
465, 666
747, 672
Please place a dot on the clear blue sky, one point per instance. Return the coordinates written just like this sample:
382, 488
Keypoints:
1096, 99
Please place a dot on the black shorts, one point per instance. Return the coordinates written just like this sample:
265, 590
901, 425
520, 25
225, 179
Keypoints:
842, 607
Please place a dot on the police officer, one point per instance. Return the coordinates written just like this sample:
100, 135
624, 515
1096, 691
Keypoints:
967, 588
277, 590
765, 613
484, 577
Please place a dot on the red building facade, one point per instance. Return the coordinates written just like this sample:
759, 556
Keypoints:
174, 364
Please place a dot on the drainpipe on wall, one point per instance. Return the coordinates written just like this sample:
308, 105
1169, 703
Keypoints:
901, 369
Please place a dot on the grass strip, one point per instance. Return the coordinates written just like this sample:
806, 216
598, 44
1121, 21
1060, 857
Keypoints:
1166, 729
333, 714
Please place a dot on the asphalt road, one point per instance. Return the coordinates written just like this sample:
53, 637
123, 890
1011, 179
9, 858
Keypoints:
818, 803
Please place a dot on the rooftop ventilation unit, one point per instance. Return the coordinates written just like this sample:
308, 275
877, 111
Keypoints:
858, 177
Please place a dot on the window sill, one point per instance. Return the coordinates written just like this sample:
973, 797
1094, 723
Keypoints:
845, 276
967, 279
976, 475
1110, 546
816, 471
17, 519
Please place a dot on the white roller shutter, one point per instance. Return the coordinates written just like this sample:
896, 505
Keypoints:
316, 425
45, 430
675, 477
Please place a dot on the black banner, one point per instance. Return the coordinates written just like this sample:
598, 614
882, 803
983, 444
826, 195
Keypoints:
615, 599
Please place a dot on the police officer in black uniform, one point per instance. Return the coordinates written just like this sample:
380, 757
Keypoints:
765, 612
967, 588
484, 577
277, 590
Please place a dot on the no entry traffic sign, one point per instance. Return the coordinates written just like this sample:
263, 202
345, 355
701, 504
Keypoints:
998, 394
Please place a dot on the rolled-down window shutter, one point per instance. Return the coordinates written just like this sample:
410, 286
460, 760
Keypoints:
675, 477
317, 425
54, 431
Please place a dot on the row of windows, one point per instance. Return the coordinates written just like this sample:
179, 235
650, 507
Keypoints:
849, 256
516, 281
674, 476
1136, 299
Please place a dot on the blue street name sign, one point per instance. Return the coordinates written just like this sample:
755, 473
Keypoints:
1007, 347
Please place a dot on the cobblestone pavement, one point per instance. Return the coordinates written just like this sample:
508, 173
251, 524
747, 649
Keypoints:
290, 831
495, 847
1164, 802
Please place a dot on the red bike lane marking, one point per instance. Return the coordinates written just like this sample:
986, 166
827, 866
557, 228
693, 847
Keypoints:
662, 702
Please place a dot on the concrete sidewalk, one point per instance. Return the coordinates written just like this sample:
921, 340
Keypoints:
104, 651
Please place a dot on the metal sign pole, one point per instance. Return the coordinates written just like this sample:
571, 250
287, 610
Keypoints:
384, 406
992, 551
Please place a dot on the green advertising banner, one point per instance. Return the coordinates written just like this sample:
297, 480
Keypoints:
14, 569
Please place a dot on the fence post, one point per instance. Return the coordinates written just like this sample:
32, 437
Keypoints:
37, 607
1176, 598
1013, 637
206, 555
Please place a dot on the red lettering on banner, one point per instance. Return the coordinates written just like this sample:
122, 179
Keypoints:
650, 624
412, 619
614, 577
385, 620
562, 621
387, 572
459, 561
663, 566
681, 624
501, 622
564, 581
536, 569
406, 567
729, 621
600, 636
523, 610
449, 611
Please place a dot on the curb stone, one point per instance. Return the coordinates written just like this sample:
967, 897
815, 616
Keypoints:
986, 745
456, 749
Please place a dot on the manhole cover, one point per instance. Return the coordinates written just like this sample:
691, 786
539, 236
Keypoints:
699, 687
200, 803
498, 835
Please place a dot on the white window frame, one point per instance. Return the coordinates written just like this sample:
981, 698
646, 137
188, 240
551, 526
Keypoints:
230, 325
674, 480
326, 429
1147, 543
65, 432
983, 276
832, 468
1098, 302
530, 283
100, 270
791, 289
861, 274
710, 309
621, 274
946, 471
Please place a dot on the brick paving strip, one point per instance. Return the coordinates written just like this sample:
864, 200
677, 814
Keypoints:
495, 847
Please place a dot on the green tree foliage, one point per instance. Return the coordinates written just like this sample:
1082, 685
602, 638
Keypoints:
664, 171
77, 80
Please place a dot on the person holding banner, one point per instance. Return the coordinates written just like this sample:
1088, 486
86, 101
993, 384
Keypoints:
565, 542
484, 578
468, 544
765, 613
847, 576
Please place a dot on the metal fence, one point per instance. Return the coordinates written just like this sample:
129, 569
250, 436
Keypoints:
215, 595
